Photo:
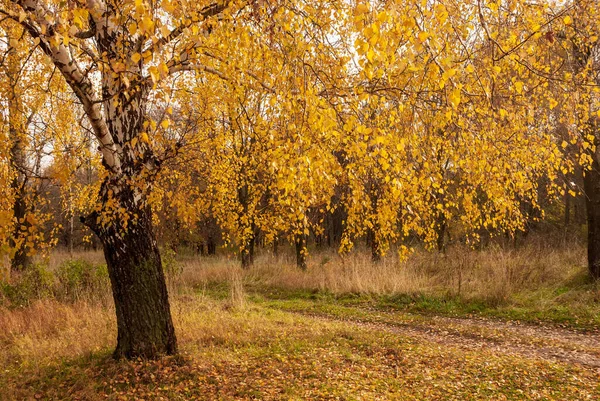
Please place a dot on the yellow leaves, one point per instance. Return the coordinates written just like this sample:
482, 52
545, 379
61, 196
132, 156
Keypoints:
371, 55
441, 15
361, 8
383, 16
147, 23
118, 66
454, 97
443, 99
568, 20
169, 6
80, 17
163, 69
448, 74
154, 74
379, 140
423, 36
165, 31
132, 28
519, 87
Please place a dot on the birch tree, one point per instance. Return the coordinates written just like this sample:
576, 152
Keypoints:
116, 57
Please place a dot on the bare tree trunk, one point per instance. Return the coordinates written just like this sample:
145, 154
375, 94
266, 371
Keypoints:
71, 223
567, 220
276, 246
441, 227
17, 126
247, 252
372, 233
247, 249
301, 251
592, 196
21, 259
374, 244
211, 246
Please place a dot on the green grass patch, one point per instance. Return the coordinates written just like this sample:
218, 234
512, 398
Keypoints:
539, 306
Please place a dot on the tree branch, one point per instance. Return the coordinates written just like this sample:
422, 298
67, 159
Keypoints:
79, 82
207, 12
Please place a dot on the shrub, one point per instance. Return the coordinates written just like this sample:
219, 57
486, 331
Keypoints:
79, 279
171, 266
35, 282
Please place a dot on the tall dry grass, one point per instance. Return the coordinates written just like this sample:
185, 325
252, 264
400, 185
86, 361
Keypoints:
48, 329
492, 274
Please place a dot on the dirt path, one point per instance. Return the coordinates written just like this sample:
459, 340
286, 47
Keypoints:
532, 341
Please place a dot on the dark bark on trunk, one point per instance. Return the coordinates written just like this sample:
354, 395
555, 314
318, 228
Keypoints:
374, 244
301, 251
581, 54
211, 246
441, 233
144, 323
247, 253
372, 233
592, 194
18, 161
247, 250
21, 259
200, 249
567, 222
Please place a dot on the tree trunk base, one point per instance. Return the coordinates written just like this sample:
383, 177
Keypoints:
592, 191
144, 323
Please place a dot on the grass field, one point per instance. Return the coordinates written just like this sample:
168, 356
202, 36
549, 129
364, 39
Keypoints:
274, 333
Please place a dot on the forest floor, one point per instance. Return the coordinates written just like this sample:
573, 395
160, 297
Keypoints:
270, 344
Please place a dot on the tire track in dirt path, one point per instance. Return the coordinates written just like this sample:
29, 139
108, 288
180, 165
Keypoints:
548, 343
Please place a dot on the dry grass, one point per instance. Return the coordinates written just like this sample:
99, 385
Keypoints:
493, 274
60, 256
54, 351
248, 347
47, 330
546, 274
